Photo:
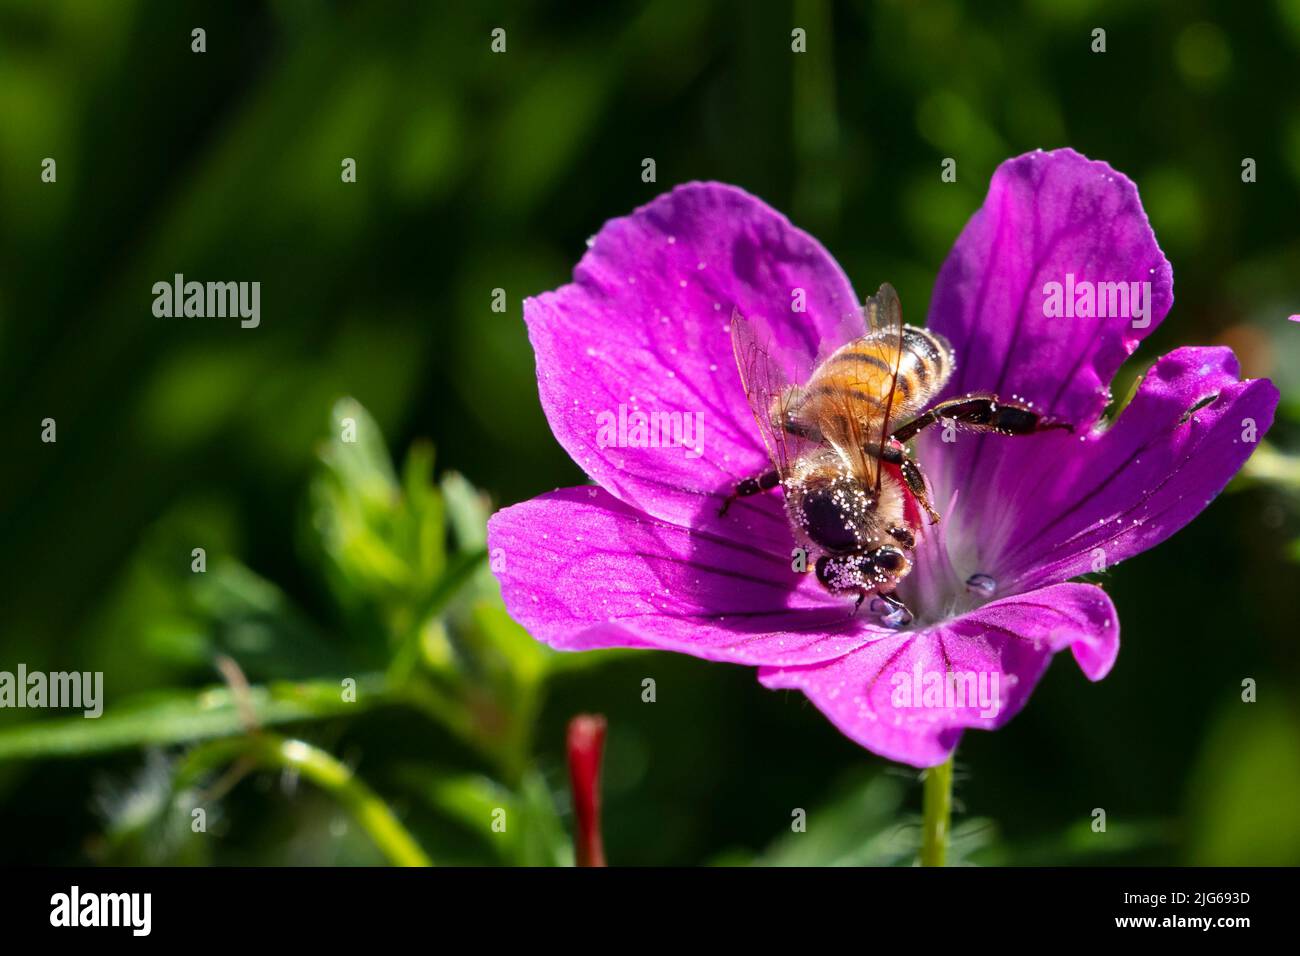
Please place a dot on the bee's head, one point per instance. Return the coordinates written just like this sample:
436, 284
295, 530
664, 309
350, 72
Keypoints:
877, 570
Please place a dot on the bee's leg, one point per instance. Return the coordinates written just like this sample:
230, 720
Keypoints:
904, 537
912, 474
793, 426
896, 454
986, 413
751, 486
895, 610
897, 613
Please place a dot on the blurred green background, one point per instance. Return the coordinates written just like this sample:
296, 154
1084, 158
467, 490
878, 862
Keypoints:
477, 171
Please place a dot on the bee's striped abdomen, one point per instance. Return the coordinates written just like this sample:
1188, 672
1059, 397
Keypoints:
862, 371
926, 364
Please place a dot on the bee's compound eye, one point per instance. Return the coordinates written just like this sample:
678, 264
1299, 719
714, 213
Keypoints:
831, 514
889, 559
824, 570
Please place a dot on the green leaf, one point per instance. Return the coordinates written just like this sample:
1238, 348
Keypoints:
356, 452
174, 717
249, 618
1080, 845
382, 544
866, 824
355, 502
1241, 809
421, 520
543, 840
467, 798
533, 833
861, 826
467, 512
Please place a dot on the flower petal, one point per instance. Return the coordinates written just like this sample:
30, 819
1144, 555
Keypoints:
581, 570
1048, 216
893, 696
1120, 491
645, 326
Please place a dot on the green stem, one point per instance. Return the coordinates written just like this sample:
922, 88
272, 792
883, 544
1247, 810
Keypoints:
936, 814
271, 750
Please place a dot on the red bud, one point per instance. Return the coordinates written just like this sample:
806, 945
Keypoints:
585, 744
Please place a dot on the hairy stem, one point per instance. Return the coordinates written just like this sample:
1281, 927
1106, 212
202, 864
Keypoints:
936, 814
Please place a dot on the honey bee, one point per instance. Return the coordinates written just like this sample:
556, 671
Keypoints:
853, 492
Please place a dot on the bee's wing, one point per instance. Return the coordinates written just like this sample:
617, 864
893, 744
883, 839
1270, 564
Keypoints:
885, 331
850, 327
769, 391
860, 428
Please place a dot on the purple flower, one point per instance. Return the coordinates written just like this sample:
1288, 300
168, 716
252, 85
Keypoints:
644, 559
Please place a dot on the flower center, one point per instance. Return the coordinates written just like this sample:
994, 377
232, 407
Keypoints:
946, 580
